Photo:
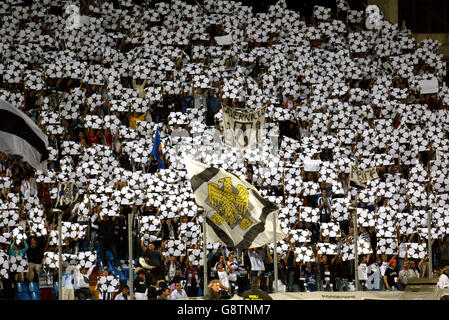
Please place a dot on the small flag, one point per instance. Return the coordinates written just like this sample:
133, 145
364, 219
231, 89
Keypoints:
236, 214
157, 150
19, 135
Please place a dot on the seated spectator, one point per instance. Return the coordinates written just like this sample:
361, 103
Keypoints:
124, 295
214, 290
443, 280
163, 293
179, 292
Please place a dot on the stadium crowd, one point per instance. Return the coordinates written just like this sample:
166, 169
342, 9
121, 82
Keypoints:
336, 92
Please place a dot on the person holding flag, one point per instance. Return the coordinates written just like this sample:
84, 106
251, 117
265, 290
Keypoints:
157, 150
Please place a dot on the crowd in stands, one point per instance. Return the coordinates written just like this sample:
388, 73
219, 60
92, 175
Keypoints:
337, 93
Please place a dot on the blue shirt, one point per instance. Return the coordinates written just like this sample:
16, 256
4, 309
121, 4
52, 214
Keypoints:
19, 253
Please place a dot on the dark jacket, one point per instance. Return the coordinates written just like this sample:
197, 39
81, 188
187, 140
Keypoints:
139, 285
256, 293
165, 235
36, 254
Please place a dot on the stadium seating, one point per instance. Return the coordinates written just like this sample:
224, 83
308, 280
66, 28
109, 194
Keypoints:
34, 287
35, 296
22, 287
23, 296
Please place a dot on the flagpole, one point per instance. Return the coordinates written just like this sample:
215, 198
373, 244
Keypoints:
275, 252
130, 254
204, 255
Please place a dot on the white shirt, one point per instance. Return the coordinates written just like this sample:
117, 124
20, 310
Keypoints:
443, 282
363, 271
176, 295
402, 249
224, 278
120, 296
383, 268
79, 278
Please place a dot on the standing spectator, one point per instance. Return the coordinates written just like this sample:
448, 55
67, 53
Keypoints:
231, 268
341, 274
363, 273
140, 287
67, 287
35, 255
373, 281
423, 267
46, 276
106, 239
18, 250
155, 260
444, 251
93, 137
291, 267
169, 230
256, 259
391, 277
413, 270
405, 274
179, 292
402, 249
82, 283
200, 99
104, 295
326, 275
221, 259
311, 282
383, 267
212, 107
324, 205
223, 277
134, 118
174, 267
143, 262
93, 225
152, 290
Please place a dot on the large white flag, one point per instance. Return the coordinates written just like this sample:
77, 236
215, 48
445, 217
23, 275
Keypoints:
236, 214
21, 136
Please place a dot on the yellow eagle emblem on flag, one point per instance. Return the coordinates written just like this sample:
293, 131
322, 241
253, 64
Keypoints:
230, 206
